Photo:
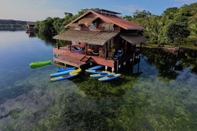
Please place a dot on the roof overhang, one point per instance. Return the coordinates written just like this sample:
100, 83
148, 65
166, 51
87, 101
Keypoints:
135, 29
133, 39
90, 37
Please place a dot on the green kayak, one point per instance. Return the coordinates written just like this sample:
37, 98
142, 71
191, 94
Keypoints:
39, 64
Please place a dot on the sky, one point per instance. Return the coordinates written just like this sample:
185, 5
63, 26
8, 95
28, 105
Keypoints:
34, 10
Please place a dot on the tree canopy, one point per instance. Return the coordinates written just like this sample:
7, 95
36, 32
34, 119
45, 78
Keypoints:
12, 24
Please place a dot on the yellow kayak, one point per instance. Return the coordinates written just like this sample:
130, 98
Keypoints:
75, 71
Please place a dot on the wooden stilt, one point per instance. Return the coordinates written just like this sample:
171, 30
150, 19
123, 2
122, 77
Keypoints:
105, 68
112, 69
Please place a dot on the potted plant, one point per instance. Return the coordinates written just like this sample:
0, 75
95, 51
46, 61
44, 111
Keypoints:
111, 51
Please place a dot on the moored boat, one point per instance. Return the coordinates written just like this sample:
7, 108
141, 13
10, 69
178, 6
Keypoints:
65, 69
75, 71
109, 77
65, 72
96, 67
40, 63
96, 71
64, 77
60, 73
100, 75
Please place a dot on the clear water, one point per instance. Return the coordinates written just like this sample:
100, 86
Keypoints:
160, 94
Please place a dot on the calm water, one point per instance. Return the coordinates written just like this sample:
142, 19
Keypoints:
160, 94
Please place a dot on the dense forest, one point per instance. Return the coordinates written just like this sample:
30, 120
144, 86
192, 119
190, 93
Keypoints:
12, 24
173, 26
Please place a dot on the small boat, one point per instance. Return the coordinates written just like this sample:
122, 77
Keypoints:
65, 72
60, 73
39, 64
96, 67
96, 71
109, 77
65, 69
100, 75
75, 71
64, 77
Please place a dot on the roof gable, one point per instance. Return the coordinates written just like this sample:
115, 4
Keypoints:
111, 19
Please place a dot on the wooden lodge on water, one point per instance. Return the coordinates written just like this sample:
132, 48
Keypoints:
30, 27
96, 36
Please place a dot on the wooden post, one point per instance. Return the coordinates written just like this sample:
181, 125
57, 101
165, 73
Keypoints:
85, 49
133, 59
70, 45
125, 47
57, 44
138, 65
106, 51
116, 65
140, 47
108, 44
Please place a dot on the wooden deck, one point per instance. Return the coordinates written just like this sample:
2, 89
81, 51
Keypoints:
72, 58
78, 59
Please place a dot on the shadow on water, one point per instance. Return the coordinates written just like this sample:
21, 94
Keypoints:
31, 34
47, 39
111, 89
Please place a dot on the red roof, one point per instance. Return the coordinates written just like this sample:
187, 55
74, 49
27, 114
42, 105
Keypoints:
127, 25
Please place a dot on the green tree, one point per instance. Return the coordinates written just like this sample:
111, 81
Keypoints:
46, 27
57, 24
141, 14
165, 21
127, 17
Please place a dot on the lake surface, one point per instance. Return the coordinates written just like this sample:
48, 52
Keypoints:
160, 93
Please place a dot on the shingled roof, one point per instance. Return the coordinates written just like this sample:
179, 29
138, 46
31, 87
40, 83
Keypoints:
90, 37
127, 25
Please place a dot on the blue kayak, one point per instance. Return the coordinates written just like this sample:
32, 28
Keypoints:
96, 71
100, 75
109, 77
60, 73
65, 69
96, 67
65, 72
64, 77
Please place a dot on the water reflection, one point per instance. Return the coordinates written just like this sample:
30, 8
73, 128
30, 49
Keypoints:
31, 34
112, 89
168, 64
47, 39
